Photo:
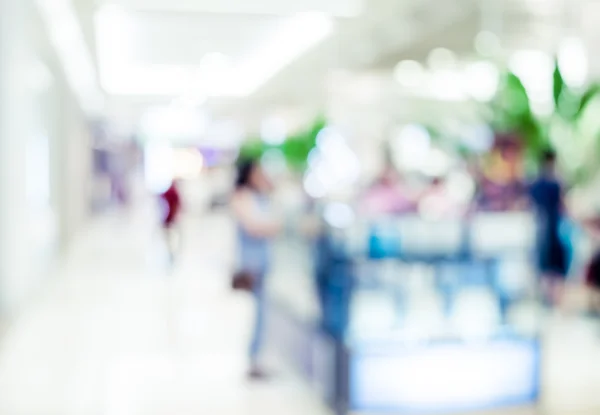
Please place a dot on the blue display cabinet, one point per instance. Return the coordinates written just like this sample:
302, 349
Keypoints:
421, 317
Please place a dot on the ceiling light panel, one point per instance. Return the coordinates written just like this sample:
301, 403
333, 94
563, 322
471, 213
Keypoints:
152, 54
175, 38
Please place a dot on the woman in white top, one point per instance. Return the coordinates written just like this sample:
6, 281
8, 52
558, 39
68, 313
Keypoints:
256, 227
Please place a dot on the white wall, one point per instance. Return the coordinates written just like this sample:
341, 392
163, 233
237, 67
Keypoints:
14, 112
71, 166
44, 147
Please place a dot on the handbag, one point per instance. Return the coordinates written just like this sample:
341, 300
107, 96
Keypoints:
243, 281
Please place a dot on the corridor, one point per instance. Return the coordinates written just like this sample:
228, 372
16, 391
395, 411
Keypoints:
116, 334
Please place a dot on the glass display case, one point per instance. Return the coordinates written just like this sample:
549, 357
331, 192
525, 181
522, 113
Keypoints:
423, 316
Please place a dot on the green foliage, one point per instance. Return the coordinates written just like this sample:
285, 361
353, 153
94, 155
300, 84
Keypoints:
513, 114
587, 96
295, 148
570, 104
559, 86
568, 130
252, 149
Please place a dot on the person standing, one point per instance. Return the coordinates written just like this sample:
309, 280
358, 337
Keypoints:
256, 227
546, 196
171, 207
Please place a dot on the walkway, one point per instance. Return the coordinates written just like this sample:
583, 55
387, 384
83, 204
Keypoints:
116, 335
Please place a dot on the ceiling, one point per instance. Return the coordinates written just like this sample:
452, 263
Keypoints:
247, 57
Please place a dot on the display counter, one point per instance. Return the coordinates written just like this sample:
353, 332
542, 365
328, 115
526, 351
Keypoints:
418, 316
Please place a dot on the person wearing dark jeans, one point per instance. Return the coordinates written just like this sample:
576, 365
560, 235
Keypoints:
546, 196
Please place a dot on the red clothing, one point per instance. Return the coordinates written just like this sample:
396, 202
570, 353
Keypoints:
172, 204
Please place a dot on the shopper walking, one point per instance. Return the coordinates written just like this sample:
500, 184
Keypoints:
171, 207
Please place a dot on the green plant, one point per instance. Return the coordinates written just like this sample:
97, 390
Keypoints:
571, 129
252, 149
295, 149
512, 114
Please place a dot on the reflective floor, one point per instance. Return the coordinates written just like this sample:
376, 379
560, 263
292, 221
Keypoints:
115, 333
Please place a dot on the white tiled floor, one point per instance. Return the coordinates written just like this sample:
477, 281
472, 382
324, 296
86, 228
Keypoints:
115, 334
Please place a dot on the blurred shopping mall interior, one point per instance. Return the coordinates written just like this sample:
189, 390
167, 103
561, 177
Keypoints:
329, 207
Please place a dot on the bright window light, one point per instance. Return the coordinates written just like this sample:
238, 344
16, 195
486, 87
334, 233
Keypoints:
68, 40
